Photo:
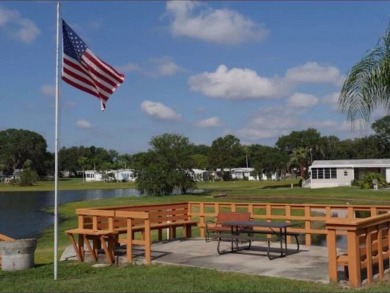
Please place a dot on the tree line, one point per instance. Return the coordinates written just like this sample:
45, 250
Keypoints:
170, 155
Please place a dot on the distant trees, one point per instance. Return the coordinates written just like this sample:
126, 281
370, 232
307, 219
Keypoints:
381, 128
166, 166
74, 159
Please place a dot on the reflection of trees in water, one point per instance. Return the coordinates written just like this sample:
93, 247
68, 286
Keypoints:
320, 239
362, 214
341, 240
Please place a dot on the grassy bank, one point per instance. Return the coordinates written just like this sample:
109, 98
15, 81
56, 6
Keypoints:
75, 277
66, 184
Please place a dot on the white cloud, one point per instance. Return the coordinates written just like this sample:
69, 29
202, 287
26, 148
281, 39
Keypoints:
331, 100
130, 67
159, 111
312, 72
269, 123
48, 90
22, 28
166, 67
301, 100
83, 124
198, 20
235, 84
154, 67
210, 122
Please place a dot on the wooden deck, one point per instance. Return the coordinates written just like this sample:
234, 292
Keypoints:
310, 220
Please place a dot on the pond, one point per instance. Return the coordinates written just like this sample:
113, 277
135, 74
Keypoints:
22, 214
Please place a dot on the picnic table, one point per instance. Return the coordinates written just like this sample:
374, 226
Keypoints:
271, 232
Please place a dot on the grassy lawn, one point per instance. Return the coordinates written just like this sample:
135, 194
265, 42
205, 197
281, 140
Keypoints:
66, 184
75, 277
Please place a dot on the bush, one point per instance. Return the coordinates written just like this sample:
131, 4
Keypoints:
367, 181
28, 177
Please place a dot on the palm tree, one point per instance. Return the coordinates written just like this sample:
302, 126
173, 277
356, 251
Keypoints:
300, 157
367, 85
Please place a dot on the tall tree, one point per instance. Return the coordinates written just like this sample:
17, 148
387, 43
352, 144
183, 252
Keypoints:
18, 146
225, 152
166, 167
300, 157
367, 85
381, 128
268, 160
309, 138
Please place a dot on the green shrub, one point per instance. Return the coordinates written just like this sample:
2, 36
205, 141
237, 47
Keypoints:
367, 181
28, 177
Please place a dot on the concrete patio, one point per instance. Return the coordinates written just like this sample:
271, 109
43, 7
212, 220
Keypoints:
309, 264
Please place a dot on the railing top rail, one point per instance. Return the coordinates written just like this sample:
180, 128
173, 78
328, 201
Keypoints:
94, 212
131, 214
333, 206
357, 223
122, 207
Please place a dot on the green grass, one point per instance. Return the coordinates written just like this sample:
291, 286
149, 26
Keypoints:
139, 278
75, 277
66, 184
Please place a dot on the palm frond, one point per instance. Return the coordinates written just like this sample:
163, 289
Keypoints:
367, 85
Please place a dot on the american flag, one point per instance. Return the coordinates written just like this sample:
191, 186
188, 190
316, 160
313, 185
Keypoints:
82, 69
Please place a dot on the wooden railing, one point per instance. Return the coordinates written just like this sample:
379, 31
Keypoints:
368, 242
310, 218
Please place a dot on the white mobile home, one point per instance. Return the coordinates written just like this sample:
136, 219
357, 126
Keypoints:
333, 173
119, 175
241, 173
92, 176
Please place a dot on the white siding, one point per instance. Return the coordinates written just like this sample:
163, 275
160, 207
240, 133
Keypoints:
345, 176
387, 175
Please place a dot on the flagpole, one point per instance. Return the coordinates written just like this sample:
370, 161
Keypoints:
56, 145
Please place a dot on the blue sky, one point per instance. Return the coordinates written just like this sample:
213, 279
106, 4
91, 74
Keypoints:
254, 69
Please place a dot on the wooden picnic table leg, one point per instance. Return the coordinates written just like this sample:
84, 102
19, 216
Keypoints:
81, 247
76, 247
91, 249
108, 247
96, 246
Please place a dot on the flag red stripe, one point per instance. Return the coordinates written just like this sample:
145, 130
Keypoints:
69, 76
72, 68
109, 71
98, 77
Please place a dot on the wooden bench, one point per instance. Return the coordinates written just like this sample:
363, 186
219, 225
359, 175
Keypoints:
373, 255
103, 226
160, 220
216, 226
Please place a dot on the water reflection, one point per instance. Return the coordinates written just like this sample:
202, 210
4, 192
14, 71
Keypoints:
22, 213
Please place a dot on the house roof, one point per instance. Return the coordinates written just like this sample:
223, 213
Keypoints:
364, 163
